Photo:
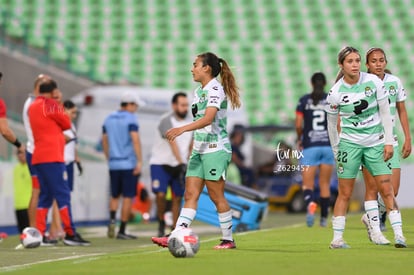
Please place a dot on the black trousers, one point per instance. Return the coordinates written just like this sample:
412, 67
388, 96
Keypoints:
22, 217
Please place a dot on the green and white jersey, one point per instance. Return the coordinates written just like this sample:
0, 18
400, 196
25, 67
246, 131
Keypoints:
358, 109
213, 137
396, 93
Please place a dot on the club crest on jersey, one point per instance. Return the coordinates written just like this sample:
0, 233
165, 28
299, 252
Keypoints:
368, 91
392, 91
340, 168
203, 98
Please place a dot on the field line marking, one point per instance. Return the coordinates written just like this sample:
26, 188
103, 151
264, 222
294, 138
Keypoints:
22, 266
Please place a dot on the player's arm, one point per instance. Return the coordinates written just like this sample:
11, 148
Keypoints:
299, 128
136, 143
5, 130
8, 134
105, 144
175, 151
402, 114
58, 114
204, 121
385, 114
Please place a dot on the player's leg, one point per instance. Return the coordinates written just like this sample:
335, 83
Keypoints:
194, 184
22, 219
129, 191
371, 217
382, 174
347, 166
34, 199
160, 179
115, 188
325, 173
56, 231
61, 192
45, 202
215, 166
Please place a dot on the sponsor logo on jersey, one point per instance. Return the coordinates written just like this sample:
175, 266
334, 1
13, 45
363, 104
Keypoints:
215, 88
214, 99
213, 172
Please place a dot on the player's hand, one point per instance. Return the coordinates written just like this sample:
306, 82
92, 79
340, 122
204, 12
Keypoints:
137, 169
388, 152
80, 169
299, 145
406, 150
173, 133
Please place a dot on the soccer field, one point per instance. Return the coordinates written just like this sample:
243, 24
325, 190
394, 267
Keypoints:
284, 246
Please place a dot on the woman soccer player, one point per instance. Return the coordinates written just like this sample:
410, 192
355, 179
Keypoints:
376, 62
366, 139
211, 150
312, 137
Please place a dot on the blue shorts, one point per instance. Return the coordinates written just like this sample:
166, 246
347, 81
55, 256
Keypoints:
33, 171
69, 169
161, 179
123, 182
317, 155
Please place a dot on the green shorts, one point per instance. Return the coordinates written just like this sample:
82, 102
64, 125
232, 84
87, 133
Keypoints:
210, 166
351, 157
395, 161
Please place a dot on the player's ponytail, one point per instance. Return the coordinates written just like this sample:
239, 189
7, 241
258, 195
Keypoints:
229, 84
220, 67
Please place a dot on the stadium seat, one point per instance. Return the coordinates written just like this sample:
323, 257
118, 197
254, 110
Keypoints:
272, 46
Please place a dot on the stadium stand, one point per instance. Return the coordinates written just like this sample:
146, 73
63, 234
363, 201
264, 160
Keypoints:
273, 45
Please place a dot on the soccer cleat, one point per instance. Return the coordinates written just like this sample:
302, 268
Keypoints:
226, 244
310, 215
111, 230
124, 236
400, 242
48, 242
75, 240
160, 241
339, 244
379, 239
365, 221
323, 222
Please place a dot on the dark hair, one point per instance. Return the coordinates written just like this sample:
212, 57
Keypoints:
1, 75
176, 96
318, 81
227, 78
47, 86
370, 51
341, 58
68, 104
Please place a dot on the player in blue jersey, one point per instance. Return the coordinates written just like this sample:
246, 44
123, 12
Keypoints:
313, 139
361, 103
122, 147
376, 62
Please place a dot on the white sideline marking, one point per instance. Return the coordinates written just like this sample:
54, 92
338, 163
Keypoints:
22, 266
92, 257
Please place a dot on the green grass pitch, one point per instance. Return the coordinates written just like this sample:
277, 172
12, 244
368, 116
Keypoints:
284, 246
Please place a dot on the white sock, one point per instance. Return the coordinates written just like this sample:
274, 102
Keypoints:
381, 206
371, 208
186, 217
226, 225
338, 226
396, 222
